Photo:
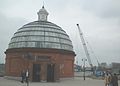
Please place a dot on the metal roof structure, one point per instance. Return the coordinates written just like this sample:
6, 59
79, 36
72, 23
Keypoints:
41, 34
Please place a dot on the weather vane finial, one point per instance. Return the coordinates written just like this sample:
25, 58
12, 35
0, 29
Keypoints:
43, 5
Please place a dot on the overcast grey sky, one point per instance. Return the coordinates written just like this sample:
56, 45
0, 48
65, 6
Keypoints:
98, 19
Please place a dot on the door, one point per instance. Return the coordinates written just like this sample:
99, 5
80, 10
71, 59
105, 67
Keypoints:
50, 72
36, 73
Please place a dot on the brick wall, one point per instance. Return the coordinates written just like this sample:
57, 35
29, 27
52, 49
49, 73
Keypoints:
16, 61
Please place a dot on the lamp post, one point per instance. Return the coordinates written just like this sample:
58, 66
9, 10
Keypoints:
84, 67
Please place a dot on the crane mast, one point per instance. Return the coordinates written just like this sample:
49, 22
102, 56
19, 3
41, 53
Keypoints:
85, 46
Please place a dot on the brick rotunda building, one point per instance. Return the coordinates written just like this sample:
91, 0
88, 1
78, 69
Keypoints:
41, 47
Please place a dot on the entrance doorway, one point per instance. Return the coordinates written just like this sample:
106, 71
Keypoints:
50, 72
36, 73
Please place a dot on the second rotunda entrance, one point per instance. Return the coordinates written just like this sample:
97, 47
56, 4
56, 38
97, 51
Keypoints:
50, 72
36, 73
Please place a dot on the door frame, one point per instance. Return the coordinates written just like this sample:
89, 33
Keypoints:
50, 72
36, 72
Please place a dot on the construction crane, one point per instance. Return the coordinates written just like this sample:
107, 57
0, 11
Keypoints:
93, 54
85, 47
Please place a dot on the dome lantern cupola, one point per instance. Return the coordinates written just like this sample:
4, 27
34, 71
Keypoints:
42, 14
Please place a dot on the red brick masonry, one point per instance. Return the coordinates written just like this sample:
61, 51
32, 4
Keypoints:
21, 59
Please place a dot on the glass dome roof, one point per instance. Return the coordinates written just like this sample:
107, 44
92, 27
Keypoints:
41, 34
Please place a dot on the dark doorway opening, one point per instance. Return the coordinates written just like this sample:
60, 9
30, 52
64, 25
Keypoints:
50, 72
36, 73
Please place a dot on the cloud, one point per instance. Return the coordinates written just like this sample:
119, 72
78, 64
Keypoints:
7, 28
102, 8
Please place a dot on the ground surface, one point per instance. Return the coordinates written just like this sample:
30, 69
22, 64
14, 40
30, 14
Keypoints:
77, 81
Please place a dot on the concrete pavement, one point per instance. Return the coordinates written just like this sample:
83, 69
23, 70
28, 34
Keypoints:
77, 81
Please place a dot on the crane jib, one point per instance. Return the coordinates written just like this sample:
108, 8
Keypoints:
84, 46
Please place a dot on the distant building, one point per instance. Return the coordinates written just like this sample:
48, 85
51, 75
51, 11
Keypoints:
2, 69
103, 65
41, 47
77, 68
115, 67
87, 68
